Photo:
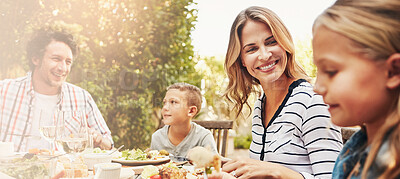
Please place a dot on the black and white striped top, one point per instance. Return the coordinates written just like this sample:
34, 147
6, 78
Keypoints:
300, 135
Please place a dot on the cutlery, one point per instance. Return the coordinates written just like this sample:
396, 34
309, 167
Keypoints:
179, 158
120, 147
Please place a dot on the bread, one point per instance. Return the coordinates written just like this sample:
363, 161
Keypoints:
78, 170
204, 158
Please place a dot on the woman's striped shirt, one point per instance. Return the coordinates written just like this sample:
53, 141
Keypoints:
300, 135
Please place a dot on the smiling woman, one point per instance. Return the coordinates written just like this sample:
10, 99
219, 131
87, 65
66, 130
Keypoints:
261, 54
290, 122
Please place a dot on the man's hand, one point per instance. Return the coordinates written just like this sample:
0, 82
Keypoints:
99, 140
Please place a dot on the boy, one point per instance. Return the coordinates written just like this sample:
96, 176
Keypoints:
181, 104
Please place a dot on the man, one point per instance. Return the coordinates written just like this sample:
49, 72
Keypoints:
50, 54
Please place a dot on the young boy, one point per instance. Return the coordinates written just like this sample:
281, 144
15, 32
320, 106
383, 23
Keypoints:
181, 103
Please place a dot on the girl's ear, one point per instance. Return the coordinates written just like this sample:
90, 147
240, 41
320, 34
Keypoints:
393, 63
192, 111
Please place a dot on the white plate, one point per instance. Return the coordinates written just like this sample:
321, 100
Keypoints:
142, 162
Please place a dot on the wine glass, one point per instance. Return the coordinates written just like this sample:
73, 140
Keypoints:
74, 135
48, 121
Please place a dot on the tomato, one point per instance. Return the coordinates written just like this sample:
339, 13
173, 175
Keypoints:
155, 177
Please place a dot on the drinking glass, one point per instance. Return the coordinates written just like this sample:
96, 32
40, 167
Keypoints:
48, 121
74, 136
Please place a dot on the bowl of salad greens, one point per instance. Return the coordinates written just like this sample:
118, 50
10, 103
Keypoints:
29, 166
97, 156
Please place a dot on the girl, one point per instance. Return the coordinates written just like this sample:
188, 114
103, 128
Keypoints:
357, 51
291, 129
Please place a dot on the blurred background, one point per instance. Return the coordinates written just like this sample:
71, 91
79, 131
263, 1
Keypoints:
131, 50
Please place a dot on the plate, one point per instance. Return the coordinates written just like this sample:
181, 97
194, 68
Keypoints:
142, 162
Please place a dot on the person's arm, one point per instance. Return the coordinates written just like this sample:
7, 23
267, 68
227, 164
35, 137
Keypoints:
102, 137
251, 168
321, 138
101, 141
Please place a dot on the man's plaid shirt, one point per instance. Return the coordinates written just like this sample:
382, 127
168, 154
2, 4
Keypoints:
16, 109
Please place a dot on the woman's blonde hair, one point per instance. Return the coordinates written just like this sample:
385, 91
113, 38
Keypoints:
374, 27
241, 83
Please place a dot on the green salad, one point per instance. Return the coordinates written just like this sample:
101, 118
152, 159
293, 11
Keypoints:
98, 150
134, 154
22, 168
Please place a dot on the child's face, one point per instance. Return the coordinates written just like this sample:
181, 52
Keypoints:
175, 109
352, 85
261, 54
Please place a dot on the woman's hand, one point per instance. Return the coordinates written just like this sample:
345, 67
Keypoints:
251, 168
219, 175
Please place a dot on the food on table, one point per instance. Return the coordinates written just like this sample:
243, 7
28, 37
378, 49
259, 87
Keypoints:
137, 154
90, 159
171, 171
167, 171
133, 154
78, 168
204, 158
98, 150
29, 166
39, 151
149, 171
164, 152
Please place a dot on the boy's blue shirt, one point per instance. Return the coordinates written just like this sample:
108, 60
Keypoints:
356, 150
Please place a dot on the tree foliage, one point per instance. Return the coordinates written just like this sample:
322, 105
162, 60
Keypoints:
304, 56
130, 51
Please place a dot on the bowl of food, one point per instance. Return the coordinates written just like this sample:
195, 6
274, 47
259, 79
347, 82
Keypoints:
28, 166
91, 159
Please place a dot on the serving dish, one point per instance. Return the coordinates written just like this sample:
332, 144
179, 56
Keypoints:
157, 161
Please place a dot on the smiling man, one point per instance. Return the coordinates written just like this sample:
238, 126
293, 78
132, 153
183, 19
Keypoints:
26, 101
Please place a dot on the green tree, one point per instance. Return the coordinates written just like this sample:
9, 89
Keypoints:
304, 56
130, 51
213, 86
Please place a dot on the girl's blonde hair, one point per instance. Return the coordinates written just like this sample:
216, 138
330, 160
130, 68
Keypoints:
374, 27
241, 83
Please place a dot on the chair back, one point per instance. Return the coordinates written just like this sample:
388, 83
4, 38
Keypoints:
219, 129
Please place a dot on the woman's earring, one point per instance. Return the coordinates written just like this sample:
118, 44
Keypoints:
242, 64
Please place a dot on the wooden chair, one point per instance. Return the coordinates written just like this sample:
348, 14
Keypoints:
347, 132
217, 127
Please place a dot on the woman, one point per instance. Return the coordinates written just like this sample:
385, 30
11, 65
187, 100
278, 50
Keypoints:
291, 129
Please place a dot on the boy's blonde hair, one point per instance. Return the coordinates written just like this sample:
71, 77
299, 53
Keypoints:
193, 94
241, 83
374, 27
